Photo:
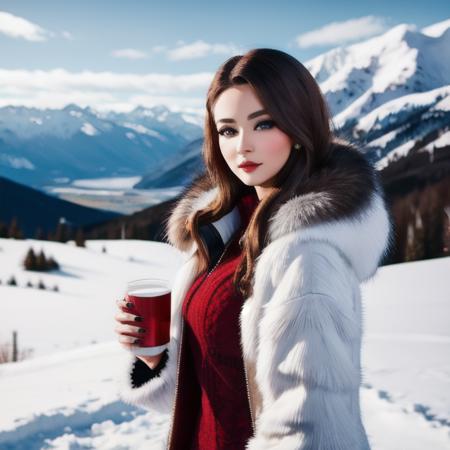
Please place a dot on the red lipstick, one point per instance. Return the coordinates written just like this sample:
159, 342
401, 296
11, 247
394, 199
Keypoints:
249, 166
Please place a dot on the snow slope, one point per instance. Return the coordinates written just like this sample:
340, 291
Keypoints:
88, 282
65, 397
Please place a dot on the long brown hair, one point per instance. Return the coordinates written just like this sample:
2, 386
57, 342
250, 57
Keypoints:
295, 103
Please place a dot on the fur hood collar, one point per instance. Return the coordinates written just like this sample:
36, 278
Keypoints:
342, 203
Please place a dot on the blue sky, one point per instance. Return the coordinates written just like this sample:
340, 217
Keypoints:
173, 39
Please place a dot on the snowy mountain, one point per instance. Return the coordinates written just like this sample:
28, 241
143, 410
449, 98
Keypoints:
53, 146
144, 120
361, 77
178, 170
390, 91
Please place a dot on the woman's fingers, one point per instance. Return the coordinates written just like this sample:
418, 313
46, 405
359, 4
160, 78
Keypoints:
123, 316
128, 341
122, 303
130, 329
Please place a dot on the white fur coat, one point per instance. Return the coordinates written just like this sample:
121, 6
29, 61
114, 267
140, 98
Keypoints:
301, 329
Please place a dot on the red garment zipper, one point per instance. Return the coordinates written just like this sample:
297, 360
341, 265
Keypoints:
206, 275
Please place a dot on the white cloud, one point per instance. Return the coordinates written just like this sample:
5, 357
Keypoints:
56, 79
102, 90
129, 53
336, 33
182, 51
20, 28
200, 49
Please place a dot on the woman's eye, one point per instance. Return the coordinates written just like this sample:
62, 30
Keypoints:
222, 131
270, 123
265, 123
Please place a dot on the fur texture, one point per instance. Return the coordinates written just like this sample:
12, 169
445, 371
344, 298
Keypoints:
301, 329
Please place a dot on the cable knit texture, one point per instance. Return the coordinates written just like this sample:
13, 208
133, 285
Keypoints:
211, 312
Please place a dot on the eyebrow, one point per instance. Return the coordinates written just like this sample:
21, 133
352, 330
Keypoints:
250, 116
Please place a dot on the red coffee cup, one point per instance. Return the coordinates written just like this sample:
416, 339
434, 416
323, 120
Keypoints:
151, 300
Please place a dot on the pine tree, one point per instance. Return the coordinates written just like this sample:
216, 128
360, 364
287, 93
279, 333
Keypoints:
39, 235
131, 232
79, 238
400, 215
30, 262
52, 264
419, 237
41, 285
112, 232
434, 216
446, 226
3, 230
41, 261
415, 249
12, 281
62, 232
14, 230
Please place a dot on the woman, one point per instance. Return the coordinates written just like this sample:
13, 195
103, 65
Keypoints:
266, 310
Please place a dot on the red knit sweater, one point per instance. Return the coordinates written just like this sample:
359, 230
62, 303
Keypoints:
212, 408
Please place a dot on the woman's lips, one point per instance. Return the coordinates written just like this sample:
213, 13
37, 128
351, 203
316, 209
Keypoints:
250, 168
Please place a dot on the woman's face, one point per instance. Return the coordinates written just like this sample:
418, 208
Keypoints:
247, 133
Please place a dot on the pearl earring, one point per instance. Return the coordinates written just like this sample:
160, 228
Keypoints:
297, 146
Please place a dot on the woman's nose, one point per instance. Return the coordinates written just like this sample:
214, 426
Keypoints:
244, 144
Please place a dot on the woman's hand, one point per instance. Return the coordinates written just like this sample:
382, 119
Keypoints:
130, 330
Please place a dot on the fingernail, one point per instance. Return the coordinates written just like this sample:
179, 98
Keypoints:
141, 330
129, 305
137, 341
138, 319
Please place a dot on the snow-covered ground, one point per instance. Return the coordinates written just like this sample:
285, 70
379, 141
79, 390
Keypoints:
65, 396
